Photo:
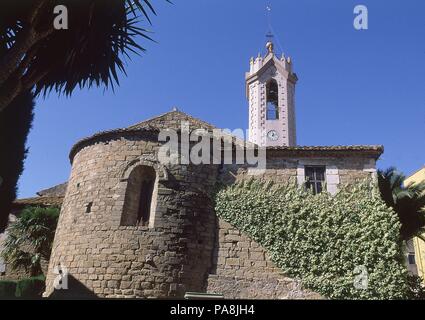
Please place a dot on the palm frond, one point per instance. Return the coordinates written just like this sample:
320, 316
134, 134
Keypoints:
408, 201
101, 34
30, 238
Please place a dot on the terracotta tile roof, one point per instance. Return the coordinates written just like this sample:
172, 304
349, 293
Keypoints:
150, 128
146, 131
49, 197
169, 120
58, 190
332, 148
173, 120
38, 201
312, 151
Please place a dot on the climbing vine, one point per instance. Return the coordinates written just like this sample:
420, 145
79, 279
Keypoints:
323, 240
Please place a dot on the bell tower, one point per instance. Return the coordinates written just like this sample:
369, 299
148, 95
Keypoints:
270, 90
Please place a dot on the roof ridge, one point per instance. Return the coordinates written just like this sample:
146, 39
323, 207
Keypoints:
149, 119
146, 122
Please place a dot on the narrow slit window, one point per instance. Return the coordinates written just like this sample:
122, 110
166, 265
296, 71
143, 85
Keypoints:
88, 207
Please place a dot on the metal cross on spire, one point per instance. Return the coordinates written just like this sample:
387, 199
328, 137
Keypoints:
269, 34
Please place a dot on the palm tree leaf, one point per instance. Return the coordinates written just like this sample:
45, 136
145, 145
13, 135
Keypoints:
30, 238
408, 201
89, 53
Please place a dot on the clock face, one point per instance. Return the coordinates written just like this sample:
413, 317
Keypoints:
272, 135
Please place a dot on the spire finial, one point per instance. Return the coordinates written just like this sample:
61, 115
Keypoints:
270, 46
269, 35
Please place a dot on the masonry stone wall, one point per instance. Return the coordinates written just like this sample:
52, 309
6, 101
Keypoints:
242, 269
105, 259
13, 274
339, 170
184, 247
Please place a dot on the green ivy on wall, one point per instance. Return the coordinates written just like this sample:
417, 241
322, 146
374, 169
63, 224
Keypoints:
323, 240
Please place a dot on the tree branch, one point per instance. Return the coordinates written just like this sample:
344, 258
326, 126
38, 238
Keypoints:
36, 11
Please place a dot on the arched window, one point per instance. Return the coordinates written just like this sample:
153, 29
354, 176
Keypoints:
140, 200
272, 94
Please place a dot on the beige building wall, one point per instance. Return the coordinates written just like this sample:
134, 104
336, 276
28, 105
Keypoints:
419, 245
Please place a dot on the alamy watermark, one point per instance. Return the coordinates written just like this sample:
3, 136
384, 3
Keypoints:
361, 19
217, 146
61, 280
361, 278
60, 22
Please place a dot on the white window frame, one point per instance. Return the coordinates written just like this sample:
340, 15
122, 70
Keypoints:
331, 174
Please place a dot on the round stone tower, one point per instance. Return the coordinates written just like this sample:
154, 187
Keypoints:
129, 225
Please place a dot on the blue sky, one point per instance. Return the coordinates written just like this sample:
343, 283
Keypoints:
355, 87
